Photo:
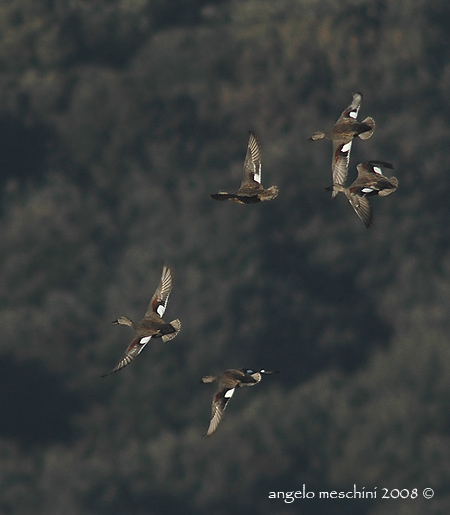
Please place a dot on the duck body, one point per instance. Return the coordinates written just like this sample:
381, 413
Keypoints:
153, 325
228, 381
248, 194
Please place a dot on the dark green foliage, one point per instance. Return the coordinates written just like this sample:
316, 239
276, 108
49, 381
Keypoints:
33, 395
118, 120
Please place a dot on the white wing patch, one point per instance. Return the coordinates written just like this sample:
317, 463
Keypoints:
377, 170
229, 393
367, 190
161, 309
346, 147
257, 176
145, 340
354, 113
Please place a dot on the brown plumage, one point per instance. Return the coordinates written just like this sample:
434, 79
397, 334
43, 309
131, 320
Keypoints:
251, 190
370, 182
228, 381
342, 134
152, 325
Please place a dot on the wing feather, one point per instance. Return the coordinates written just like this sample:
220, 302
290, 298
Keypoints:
351, 111
160, 298
341, 158
219, 404
132, 351
252, 163
362, 208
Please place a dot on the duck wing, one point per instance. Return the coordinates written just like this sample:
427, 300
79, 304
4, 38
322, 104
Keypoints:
219, 404
362, 208
352, 110
252, 163
132, 351
339, 166
372, 168
160, 298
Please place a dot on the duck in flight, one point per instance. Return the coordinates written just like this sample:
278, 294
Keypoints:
152, 325
228, 381
342, 134
370, 182
251, 190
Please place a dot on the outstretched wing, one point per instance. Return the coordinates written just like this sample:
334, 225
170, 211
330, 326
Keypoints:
339, 166
252, 163
160, 298
352, 110
369, 168
362, 208
132, 351
219, 404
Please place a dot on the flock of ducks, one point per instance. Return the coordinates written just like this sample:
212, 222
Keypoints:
370, 182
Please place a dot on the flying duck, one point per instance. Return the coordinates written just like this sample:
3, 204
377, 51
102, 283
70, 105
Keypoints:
152, 325
251, 190
228, 381
370, 182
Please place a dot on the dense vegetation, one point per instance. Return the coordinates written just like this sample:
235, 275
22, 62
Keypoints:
118, 119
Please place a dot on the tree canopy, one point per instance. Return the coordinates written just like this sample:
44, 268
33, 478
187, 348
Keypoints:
118, 119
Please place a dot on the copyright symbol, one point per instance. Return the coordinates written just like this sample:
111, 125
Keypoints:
428, 493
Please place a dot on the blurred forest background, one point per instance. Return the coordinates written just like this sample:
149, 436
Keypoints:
118, 119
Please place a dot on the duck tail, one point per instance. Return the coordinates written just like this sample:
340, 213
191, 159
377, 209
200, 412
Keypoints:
335, 189
393, 184
394, 181
176, 324
368, 126
270, 193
